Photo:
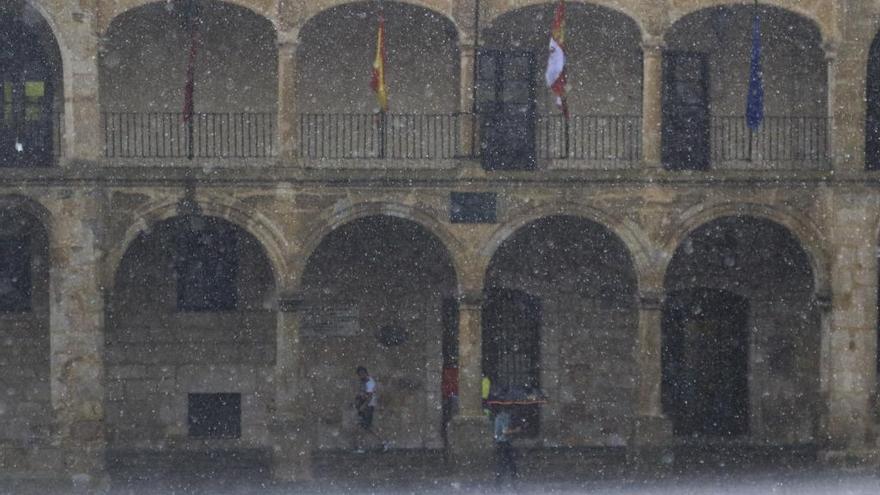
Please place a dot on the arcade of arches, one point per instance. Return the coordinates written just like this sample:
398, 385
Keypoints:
157, 310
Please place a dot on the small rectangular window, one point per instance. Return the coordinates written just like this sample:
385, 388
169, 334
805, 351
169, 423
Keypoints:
215, 415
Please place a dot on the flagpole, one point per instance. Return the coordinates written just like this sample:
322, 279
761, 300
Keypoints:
190, 80
565, 122
382, 111
474, 119
752, 131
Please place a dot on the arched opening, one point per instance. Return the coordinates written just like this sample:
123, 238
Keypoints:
521, 124
31, 91
379, 292
339, 110
741, 335
190, 347
560, 314
872, 101
25, 405
706, 71
235, 83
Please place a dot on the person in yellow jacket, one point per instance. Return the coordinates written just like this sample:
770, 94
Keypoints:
485, 387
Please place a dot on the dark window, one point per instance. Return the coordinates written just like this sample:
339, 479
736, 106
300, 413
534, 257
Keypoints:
685, 135
15, 274
206, 266
215, 415
472, 207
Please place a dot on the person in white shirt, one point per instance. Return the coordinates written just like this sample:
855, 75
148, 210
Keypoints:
365, 402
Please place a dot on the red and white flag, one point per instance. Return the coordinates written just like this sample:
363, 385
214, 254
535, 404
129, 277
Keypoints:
377, 82
555, 75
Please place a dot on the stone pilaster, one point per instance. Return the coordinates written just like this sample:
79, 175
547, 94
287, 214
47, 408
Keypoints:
83, 140
76, 338
651, 427
652, 113
288, 42
470, 438
292, 437
846, 106
467, 118
849, 343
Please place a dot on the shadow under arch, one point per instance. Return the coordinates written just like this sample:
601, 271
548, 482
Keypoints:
615, 7
807, 234
379, 291
337, 218
125, 8
628, 232
318, 8
742, 333
561, 314
268, 235
792, 7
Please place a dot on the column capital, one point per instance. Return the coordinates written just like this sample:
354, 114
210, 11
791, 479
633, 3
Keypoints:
471, 299
823, 301
291, 302
651, 299
653, 45
288, 40
831, 49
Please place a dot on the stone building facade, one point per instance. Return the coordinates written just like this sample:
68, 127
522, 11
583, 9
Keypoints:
658, 298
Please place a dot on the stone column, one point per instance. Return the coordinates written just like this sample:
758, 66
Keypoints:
467, 118
288, 141
82, 137
651, 427
470, 439
850, 344
652, 112
76, 319
292, 433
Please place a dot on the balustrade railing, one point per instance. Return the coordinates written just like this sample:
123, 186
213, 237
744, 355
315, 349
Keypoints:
592, 138
206, 135
381, 136
781, 142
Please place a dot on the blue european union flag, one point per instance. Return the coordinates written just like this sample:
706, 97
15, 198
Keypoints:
755, 102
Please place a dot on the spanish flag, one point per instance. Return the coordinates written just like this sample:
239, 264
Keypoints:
378, 81
555, 74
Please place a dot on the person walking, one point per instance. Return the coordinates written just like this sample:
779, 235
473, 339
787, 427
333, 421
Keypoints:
365, 403
505, 464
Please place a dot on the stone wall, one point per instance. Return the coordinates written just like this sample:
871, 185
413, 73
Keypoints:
156, 355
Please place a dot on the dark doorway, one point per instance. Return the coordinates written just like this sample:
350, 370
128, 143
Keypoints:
506, 104
705, 363
512, 347
872, 116
26, 96
685, 136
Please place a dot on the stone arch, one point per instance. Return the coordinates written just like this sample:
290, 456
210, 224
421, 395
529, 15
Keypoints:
561, 294
413, 34
329, 222
638, 245
31, 206
802, 229
236, 62
628, 9
439, 7
123, 7
825, 27
254, 223
742, 332
27, 280
379, 291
